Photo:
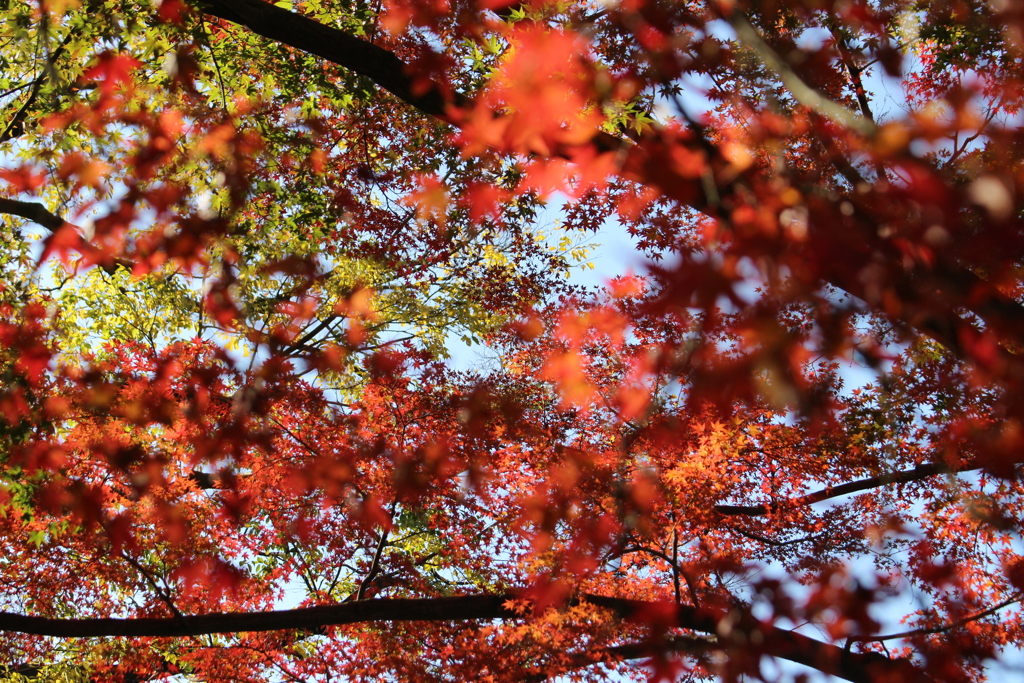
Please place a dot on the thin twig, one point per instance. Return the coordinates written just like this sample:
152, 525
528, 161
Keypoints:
937, 629
375, 565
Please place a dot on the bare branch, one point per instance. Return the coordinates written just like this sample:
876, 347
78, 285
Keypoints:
375, 564
919, 472
804, 94
693, 645
937, 629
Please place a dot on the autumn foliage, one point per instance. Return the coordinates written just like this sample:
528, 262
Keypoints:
248, 247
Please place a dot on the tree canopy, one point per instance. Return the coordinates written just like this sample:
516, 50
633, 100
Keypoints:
240, 240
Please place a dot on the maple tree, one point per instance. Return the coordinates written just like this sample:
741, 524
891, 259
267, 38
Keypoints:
239, 238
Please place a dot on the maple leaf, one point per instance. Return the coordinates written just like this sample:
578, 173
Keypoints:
234, 389
24, 178
112, 71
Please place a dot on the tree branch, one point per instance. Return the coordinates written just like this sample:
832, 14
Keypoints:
37, 213
650, 162
733, 630
677, 570
804, 94
16, 126
391, 609
161, 593
375, 564
33, 673
382, 67
936, 629
359, 56
750, 637
695, 645
919, 472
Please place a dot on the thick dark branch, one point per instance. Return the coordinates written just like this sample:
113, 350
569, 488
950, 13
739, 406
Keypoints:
745, 635
733, 631
382, 67
362, 57
840, 162
392, 609
919, 472
650, 163
37, 213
